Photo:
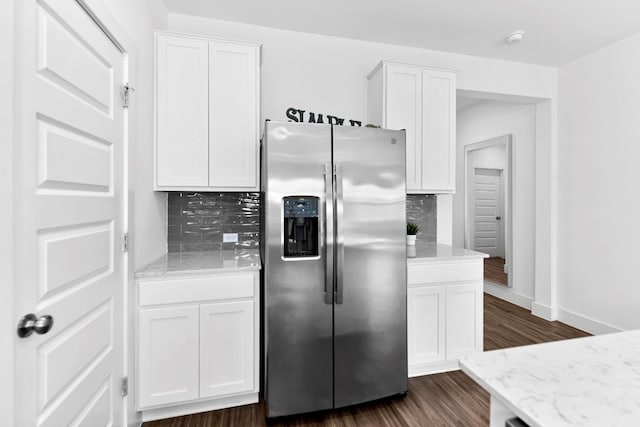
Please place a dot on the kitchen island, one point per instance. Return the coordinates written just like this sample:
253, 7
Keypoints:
444, 306
588, 382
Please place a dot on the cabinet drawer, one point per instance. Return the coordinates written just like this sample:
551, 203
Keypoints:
458, 271
176, 291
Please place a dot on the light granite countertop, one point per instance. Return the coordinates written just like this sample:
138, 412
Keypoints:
587, 382
435, 252
179, 263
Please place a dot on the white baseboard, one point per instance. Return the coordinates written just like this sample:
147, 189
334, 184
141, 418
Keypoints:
433, 368
195, 407
586, 324
544, 311
508, 295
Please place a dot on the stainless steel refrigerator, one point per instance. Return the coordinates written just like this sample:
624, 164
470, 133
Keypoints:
334, 252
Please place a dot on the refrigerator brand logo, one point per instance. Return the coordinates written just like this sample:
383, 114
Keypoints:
297, 115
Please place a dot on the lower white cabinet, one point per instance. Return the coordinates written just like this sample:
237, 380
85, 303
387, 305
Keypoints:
197, 343
168, 355
444, 313
464, 319
426, 331
226, 348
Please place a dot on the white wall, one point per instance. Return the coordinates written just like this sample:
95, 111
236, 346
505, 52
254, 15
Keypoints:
148, 226
327, 74
489, 158
599, 200
487, 120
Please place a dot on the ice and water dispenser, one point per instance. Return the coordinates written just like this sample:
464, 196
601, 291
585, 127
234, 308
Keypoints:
301, 238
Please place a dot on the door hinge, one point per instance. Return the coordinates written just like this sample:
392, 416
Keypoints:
125, 387
126, 94
125, 242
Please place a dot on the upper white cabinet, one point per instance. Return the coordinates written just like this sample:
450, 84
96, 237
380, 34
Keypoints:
207, 114
421, 100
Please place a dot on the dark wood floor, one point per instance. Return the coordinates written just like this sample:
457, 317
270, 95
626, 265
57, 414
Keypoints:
494, 270
449, 399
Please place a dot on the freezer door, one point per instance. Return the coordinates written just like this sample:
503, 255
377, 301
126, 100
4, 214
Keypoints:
370, 310
298, 308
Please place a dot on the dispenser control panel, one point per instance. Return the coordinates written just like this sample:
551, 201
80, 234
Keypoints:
302, 207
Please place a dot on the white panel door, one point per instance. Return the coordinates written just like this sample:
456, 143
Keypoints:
182, 97
226, 348
167, 355
464, 320
486, 222
438, 130
404, 111
233, 115
69, 217
425, 324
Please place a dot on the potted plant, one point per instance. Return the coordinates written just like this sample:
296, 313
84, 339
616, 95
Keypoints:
412, 230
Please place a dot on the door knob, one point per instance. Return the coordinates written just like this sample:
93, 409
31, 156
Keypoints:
498, 218
29, 324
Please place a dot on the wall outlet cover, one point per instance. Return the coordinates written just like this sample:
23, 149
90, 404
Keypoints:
229, 237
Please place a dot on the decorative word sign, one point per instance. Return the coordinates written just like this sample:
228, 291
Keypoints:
297, 115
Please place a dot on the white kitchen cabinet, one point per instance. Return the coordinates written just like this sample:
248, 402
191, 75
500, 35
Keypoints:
226, 348
182, 99
207, 114
422, 101
198, 342
426, 320
464, 320
444, 313
168, 356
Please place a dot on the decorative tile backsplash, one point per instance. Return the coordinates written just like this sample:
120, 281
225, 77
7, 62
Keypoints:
196, 221
423, 209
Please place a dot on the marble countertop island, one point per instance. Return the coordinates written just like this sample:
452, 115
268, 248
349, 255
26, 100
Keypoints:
587, 382
180, 263
435, 252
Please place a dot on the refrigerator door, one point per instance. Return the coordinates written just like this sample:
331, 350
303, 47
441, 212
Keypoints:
370, 311
298, 308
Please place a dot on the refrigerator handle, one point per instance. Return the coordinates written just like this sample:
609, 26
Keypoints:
339, 234
328, 233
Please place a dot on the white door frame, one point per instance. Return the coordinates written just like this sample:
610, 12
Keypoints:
7, 316
507, 190
11, 37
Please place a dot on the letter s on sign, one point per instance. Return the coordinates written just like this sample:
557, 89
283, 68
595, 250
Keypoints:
291, 114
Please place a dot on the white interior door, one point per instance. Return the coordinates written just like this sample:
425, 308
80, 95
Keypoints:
69, 217
487, 218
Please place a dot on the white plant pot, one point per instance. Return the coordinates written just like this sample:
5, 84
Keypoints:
411, 239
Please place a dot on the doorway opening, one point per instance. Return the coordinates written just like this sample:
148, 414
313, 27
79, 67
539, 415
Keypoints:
487, 225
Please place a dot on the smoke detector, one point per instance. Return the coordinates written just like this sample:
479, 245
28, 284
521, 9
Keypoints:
515, 37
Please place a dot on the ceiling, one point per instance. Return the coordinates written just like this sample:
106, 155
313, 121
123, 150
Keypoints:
558, 31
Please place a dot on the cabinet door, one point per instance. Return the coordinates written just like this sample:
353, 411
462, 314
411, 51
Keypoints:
167, 355
233, 115
438, 130
464, 320
404, 111
182, 91
425, 324
227, 352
